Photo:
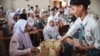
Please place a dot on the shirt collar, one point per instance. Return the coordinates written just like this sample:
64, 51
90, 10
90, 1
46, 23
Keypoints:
84, 22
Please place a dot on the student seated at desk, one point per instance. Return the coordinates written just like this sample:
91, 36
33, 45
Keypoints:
38, 22
31, 20
51, 30
2, 11
20, 44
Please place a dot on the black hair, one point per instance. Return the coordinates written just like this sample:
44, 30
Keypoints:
85, 3
32, 7
36, 5
48, 5
1, 8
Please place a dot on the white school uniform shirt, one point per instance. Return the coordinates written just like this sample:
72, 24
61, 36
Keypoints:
51, 32
58, 18
20, 43
67, 11
10, 19
91, 30
30, 21
41, 14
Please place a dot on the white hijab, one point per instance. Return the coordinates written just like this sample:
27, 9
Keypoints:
48, 27
51, 31
21, 11
68, 11
17, 11
19, 28
10, 19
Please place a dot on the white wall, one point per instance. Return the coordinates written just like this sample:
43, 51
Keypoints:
23, 3
14, 4
7, 4
95, 7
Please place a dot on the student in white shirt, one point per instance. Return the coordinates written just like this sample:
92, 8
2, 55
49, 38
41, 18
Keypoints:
20, 43
38, 22
42, 14
51, 30
31, 19
2, 11
17, 12
36, 10
28, 8
57, 16
10, 19
67, 11
91, 31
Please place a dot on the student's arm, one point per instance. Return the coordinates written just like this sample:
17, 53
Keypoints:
72, 30
63, 38
15, 47
33, 32
58, 35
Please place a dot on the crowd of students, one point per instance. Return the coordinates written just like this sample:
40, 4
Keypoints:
44, 22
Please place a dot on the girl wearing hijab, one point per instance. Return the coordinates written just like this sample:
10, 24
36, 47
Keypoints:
10, 19
37, 10
51, 30
17, 12
20, 44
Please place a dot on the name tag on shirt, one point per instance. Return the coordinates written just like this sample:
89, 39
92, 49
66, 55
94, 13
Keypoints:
88, 35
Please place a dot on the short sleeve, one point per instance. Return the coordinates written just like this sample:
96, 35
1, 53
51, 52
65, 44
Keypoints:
74, 28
